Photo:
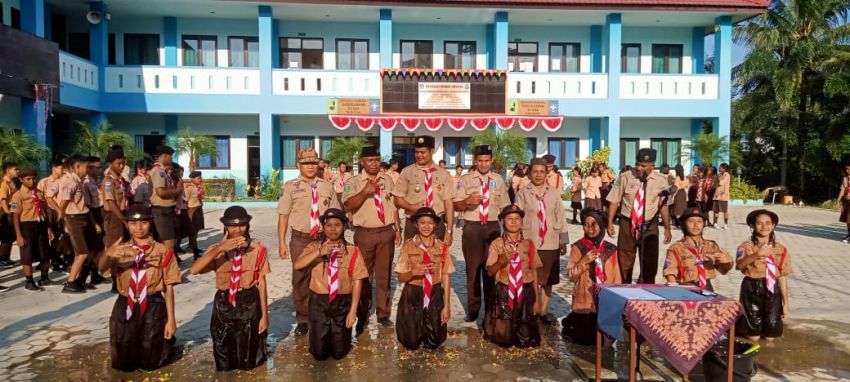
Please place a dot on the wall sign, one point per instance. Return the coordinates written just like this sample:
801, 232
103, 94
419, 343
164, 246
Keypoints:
426, 91
444, 96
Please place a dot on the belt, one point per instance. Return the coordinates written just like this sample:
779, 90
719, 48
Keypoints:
162, 207
151, 297
468, 222
300, 234
377, 229
78, 216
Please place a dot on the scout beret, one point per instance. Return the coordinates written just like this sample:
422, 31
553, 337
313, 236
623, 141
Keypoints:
483, 150
163, 149
692, 212
138, 212
511, 209
423, 212
195, 174
333, 213
752, 216
235, 215
426, 141
308, 156
549, 158
646, 156
369, 151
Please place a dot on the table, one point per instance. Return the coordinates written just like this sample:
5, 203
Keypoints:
678, 321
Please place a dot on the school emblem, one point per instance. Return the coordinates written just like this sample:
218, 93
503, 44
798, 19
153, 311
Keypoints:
493, 184
69, 191
347, 188
327, 202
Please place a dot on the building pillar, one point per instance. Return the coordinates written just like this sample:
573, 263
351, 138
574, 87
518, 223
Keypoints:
500, 39
97, 120
596, 49
386, 58
594, 134
269, 126
723, 68
33, 113
698, 50
613, 47
612, 139
33, 17
99, 42
696, 129
169, 40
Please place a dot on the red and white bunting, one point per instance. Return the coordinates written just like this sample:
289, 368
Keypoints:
504, 123
481, 123
340, 121
527, 124
365, 123
551, 123
411, 123
433, 123
388, 123
455, 122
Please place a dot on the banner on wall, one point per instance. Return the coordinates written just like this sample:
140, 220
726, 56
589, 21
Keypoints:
444, 96
455, 122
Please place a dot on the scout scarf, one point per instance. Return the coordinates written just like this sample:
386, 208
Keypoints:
429, 193
699, 253
379, 202
515, 279
427, 280
698, 184
637, 210
314, 210
484, 207
138, 291
342, 180
36, 205
598, 264
542, 226
235, 275
333, 274
770, 276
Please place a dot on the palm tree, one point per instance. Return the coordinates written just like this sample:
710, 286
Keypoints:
508, 147
20, 148
97, 141
345, 149
708, 147
187, 142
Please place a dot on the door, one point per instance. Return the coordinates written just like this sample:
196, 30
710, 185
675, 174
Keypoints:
403, 151
253, 165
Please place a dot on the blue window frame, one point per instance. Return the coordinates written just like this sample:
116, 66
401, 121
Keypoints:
222, 157
565, 151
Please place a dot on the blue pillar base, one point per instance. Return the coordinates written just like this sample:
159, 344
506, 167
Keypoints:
386, 145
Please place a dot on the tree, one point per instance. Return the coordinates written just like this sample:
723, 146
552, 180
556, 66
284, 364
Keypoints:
97, 141
187, 142
20, 148
345, 149
708, 147
508, 147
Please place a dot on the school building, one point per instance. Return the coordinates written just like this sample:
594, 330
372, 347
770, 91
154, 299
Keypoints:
267, 78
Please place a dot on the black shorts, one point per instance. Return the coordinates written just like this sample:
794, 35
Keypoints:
35, 234
7, 230
720, 206
165, 222
549, 274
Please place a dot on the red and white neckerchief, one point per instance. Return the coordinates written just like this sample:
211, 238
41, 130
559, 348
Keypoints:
235, 275
138, 292
598, 264
333, 274
429, 193
484, 207
427, 280
36, 205
515, 278
698, 184
638, 209
770, 275
847, 187
698, 253
342, 180
379, 202
169, 183
542, 225
124, 187
314, 210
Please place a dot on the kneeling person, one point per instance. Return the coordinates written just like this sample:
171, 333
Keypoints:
694, 260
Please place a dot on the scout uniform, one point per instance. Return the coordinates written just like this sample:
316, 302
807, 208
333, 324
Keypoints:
422, 298
237, 306
78, 222
575, 195
137, 323
94, 201
680, 198
140, 188
553, 177
607, 177
761, 292
31, 209
625, 193
548, 230
592, 192
427, 187
709, 183
843, 201
374, 233
695, 192
7, 231
333, 275
195, 201
164, 218
304, 200
480, 229
695, 265
580, 324
115, 189
721, 194
511, 320
49, 187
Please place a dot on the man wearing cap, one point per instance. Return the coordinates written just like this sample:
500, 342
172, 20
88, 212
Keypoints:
368, 197
553, 177
637, 194
164, 196
479, 196
423, 184
302, 201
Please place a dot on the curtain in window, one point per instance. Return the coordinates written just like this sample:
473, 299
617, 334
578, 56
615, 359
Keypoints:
555, 149
658, 146
630, 153
326, 146
632, 60
253, 54
343, 53
132, 51
208, 52
450, 148
570, 153
673, 154
190, 52
571, 57
531, 144
658, 64
289, 153
361, 55
237, 52
467, 56
222, 159
674, 59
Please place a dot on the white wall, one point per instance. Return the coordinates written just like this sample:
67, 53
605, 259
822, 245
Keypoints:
10, 112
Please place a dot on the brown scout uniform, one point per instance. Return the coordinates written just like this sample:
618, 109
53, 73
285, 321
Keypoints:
762, 309
7, 230
477, 236
411, 186
158, 275
78, 222
295, 201
347, 275
623, 193
113, 189
164, 215
194, 196
376, 241
223, 266
555, 179
721, 193
556, 233
498, 247
593, 192
33, 226
844, 202
411, 255
758, 268
682, 263
584, 275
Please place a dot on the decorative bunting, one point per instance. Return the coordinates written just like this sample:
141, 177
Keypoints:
433, 124
364, 123
551, 123
339, 121
527, 124
480, 124
505, 123
411, 123
455, 122
388, 123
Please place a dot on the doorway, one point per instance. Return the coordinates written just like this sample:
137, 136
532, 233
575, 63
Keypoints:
253, 165
403, 151
150, 142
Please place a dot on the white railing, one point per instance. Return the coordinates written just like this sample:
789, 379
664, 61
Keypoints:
326, 83
77, 71
186, 80
665, 86
557, 85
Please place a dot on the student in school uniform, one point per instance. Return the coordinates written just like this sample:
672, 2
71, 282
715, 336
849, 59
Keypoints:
94, 201
7, 232
764, 291
592, 186
553, 176
680, 198
240, 316
694, 260
142, 324
424, 266
29, 216
58, 242
709, 187
592, 261
512, 317
842, 203
695, 192
115, 196
194, 192
721, 196
140, 186
75, 215
575, 194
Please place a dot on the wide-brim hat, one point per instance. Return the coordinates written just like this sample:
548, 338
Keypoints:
692, 212
138, 212
511, 209
425, 211
235, 215
752, 216
333, 213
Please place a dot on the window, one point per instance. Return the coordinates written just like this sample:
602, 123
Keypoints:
456, 151
628, 151
16, 18
631, 58
243, 52
352, 54
565, 151
141, 49
79, 45
199, 50
666, 58
417, 54
564, 57
669, 151
459, 55
290, 147
298, 53
222, 156
531, 145
522, 56
110, 50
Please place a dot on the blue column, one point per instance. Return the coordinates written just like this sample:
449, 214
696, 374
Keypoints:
386, 53
269, 130
698, 50
696, 129
275, 44
613, 49
169, 40
723, 68
596, 49
500, 37
594, 133
99, 42
32, 17
33, 116
612, 129
491, 45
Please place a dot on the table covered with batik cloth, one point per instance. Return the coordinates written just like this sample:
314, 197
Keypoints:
679, 322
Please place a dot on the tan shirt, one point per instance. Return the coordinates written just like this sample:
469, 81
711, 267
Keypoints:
347, 274
122, 257
393, 175
592, 184
470, 184
161, 179
758, 268
192, 194
49, 186
91, 193
411, 186
626, 187
296, 200
113, 189
519, 182
339, 181
367, 215
411, 256
724, 184
555, 179
22, 204
607, 176
722, 262
499, 247
71, 189
7, 189
580, 274
556, 218
223, 266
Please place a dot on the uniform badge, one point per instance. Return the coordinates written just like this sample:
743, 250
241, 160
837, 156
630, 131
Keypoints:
327, 202
347, 188
459, 186
417, 188
493, 184
440, 187
13, 206
69, 191
107, 187
53, 189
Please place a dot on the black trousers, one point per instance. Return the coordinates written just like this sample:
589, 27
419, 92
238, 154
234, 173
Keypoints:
762, 310
37, 248
628, 248
475, 243
415, 326
329, 337
234, 329
139, 343
508, 327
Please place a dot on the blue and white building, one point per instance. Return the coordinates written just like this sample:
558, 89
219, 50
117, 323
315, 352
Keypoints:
260, 75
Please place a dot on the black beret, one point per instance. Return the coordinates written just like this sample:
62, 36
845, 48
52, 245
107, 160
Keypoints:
646, 156
369, 151
426, 141
163, 149
483, 150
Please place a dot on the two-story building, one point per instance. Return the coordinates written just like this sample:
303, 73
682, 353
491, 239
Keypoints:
267, 78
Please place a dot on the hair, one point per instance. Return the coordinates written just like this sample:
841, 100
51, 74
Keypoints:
537, 162
519, 171
442, 161
93, 159
754, 237
578, 170
458, 166
392, 162
594, 169
385, 166
725, 166
144, 163
665, 169
713, 170
74, 159
8, 165
680, 172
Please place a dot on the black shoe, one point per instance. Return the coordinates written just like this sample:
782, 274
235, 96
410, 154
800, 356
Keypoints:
179, 260
197, 253
574, 221
3, 289
385, 322
301, 329
73, 287
31, 285
114, 286
471, 317
5, 264
97, 278
46, 282
547, 319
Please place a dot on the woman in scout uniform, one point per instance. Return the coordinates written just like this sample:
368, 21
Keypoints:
695, 190
240, 316
694, 260
142, 324
721, 196
194, 192
114, 196
592, 186
575, 193
424, 266
592, 261
680, 198
512, 317
842, 203
336, 274
764, 290
709, 186
29, 216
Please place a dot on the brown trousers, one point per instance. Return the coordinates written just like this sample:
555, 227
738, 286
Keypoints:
627, 248
113, 229
300, 278
475, 243
377, 246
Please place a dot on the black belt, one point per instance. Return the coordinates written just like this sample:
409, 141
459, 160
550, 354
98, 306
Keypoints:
163, 208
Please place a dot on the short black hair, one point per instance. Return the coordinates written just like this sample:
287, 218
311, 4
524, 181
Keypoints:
458, 166
74, 159
442, 161
144, 163
393, 161
8, 165
92, 159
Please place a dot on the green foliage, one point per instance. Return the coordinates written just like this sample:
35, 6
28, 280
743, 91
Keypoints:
709, 147
741, 190
20, 148
187, 142
219, 188
508, 147
598, 156
271, 185
97, 141
345, 149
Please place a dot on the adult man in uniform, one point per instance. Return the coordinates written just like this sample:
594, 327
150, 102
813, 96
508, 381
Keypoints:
423, 184
553, 177
302, 201
479, 196
164, 197
637, 194
368, 197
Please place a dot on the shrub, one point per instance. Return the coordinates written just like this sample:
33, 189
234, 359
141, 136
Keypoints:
741, 190
271, 185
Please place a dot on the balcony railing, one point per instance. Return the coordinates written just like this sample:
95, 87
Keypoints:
326, 83
182, 80
77, 71
557, 85
665, 86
